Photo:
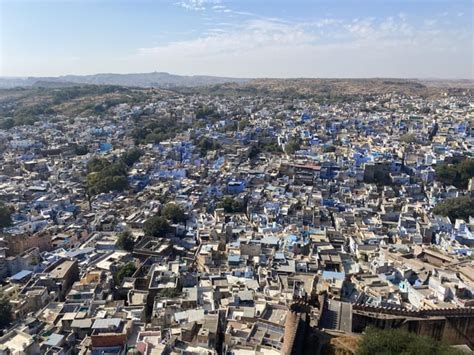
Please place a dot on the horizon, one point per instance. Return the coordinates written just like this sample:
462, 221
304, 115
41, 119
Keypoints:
239, 39
240, 78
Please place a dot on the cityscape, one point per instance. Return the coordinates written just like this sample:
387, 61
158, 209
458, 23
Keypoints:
158, 213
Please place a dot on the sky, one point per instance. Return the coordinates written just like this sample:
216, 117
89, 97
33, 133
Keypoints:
239, 38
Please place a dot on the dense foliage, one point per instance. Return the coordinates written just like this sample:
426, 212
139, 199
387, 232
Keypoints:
105, 176
156, 226
5, 312
459, 207
126, 241
124, 271
399, 342
81, 149
5, 216
293, 145
174, 213
207, 144
131, 156
48, 101
231, 205
207, 112
456, 174
157, 131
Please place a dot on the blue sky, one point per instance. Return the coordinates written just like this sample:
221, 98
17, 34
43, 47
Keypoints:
242, 38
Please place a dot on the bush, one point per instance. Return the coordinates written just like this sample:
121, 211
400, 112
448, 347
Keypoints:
156, 226
396, 341
454, 208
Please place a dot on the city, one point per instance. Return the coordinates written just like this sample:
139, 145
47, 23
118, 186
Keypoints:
236, 177
168, 222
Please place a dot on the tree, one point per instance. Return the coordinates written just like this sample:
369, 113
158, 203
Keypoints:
329, 149
131, 156
454, 208
5, 312
206, 144
104, 176
7, 123
81, 149
254, 151
126, 241
293, 145
231, 205
397, 341
156, 226
124, 271
5, 216
456, 174
174, 213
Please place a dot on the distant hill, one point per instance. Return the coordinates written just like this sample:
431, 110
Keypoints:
226, 85
146, 80
333, 90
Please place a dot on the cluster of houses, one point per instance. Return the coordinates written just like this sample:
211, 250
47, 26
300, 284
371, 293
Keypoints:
330, 227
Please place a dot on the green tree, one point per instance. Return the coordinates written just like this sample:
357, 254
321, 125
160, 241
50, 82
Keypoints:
396, 341
156, 226
131, 156
7, 123
5, 216
254, 151
81, 149
456, 174
104, 176
458, 207
96, 164
5, 312
126, 241
231, 205
174, 213
126, 270
206, 144
271, 147
329, 149
293, 145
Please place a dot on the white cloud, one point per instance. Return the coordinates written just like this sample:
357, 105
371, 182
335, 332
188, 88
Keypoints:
325, 48
198, 5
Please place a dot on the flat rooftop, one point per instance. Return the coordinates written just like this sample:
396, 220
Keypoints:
61, 270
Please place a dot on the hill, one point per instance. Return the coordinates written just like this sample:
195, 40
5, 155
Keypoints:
145, 80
